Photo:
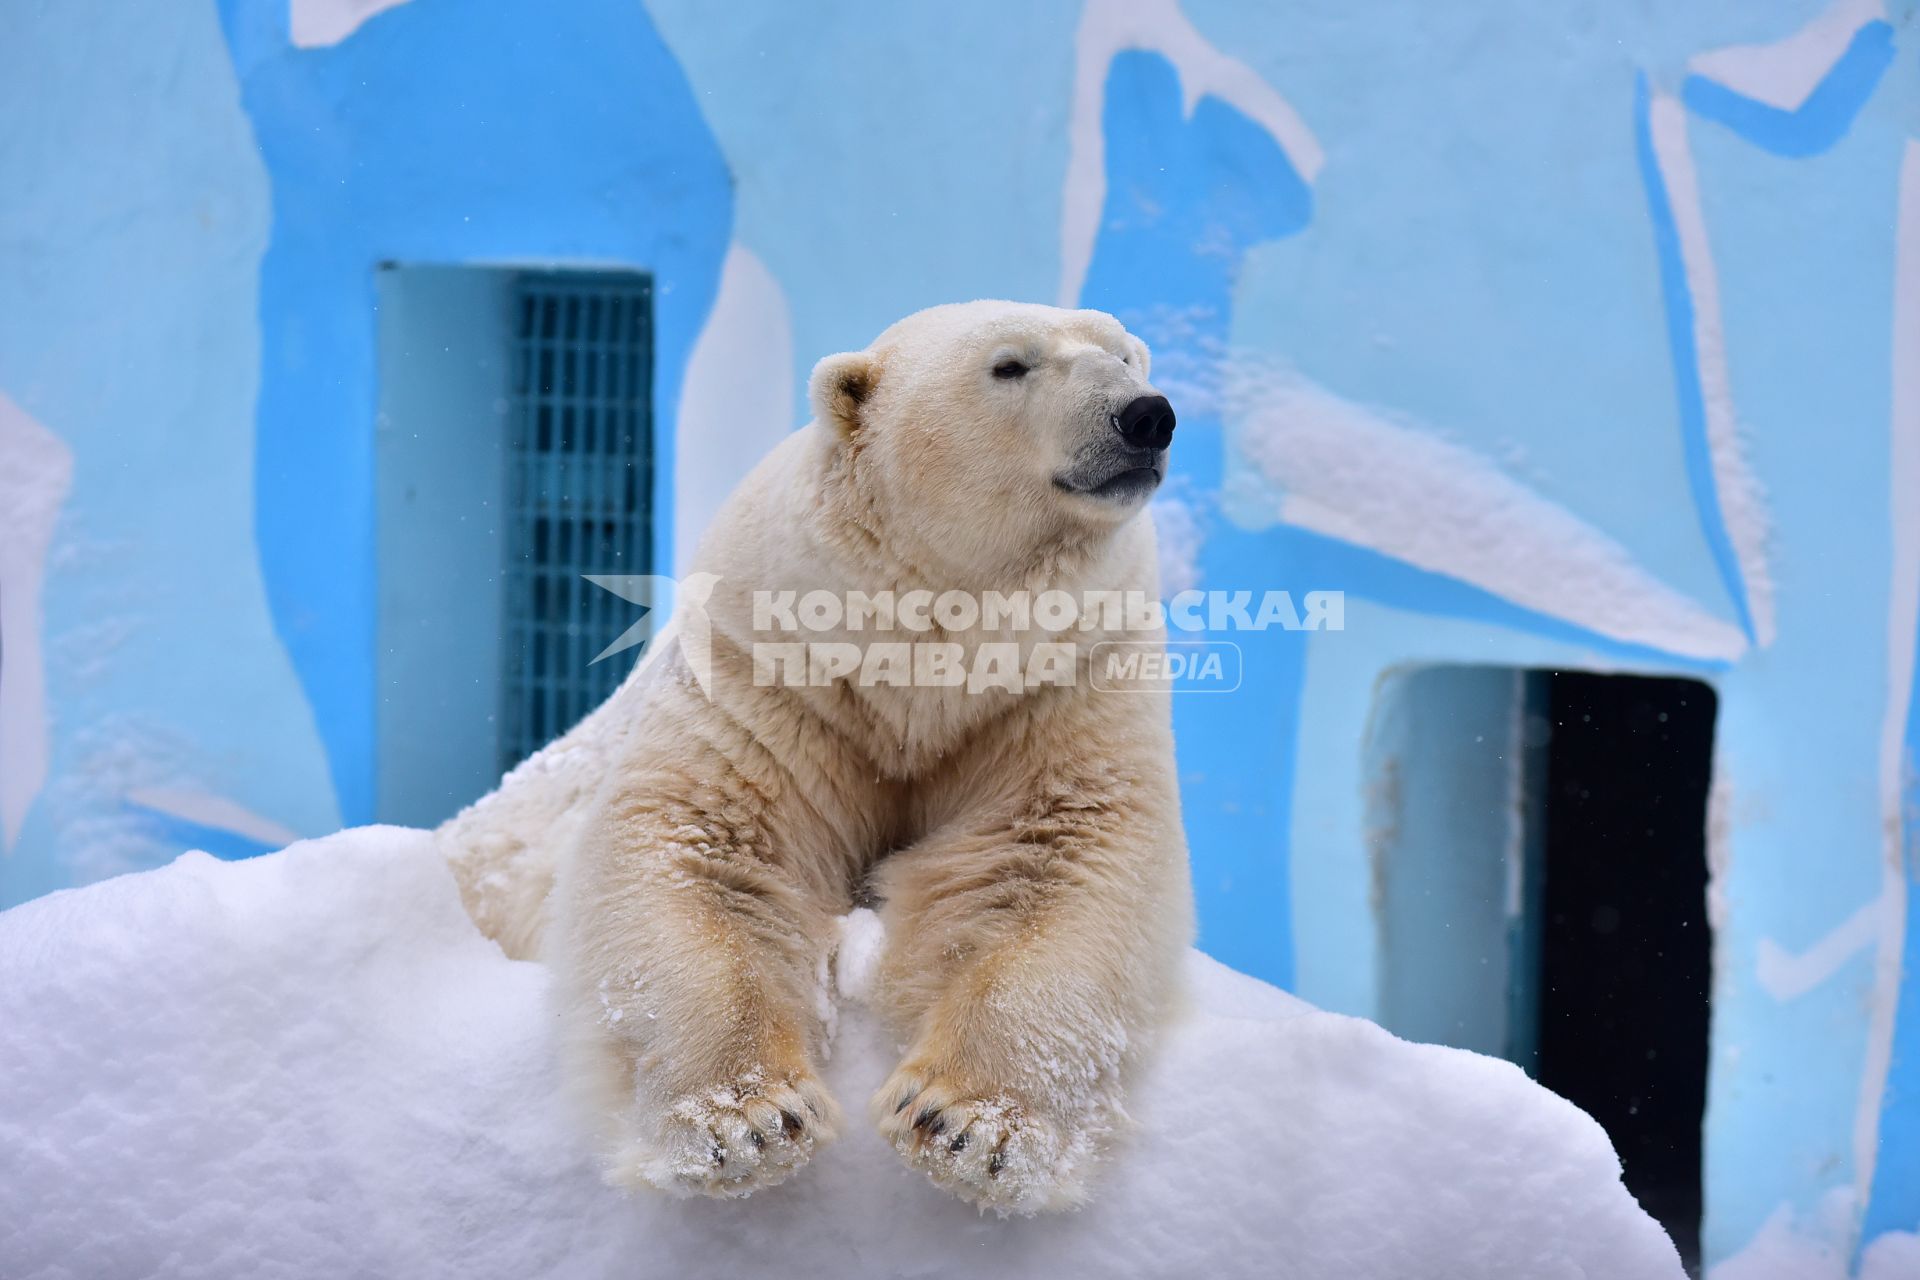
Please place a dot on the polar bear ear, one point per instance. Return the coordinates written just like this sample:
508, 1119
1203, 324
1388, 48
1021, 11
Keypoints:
839, 387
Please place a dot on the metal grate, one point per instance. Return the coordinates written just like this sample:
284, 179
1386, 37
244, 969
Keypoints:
579, 479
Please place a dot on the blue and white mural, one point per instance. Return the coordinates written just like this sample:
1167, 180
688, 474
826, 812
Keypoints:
1585, 344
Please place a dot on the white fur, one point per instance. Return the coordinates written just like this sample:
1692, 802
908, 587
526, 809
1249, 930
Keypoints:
1024, 850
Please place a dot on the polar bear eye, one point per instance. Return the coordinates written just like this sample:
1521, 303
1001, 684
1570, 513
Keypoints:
1010, 369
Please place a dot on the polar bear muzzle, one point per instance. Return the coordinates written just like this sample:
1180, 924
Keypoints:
1146, 423
1128, 463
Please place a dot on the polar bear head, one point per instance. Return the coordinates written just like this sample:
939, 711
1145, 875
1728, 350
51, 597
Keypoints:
993, 431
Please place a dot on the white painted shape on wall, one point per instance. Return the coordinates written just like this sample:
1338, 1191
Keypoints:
1892, 1255
1351, 472
1786, 975
318, 23
1818, 1246
1742, 509
1719, 843
737, 401
1109, 27
1178, 538
1781, 73
36, 472
1513, 853
218, 812
1786, 1245
1903, 633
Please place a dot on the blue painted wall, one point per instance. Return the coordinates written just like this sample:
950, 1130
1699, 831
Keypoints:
1600, 314
431, 138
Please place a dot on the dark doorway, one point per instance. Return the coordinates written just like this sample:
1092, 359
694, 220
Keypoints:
1625, 950
579, 485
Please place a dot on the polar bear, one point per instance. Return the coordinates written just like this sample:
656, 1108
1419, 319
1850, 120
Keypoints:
1021, 840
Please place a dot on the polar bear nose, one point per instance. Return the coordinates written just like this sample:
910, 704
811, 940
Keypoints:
1146, 423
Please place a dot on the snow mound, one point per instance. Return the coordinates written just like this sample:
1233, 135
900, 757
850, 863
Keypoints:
311, 1064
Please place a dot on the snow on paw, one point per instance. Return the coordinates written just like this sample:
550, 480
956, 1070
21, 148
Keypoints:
733, 1139
989, 1147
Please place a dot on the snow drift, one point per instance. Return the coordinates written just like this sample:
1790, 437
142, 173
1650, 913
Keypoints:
311, 1064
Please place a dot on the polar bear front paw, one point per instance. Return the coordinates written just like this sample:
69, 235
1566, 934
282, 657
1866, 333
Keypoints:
990, 1147
732, 1139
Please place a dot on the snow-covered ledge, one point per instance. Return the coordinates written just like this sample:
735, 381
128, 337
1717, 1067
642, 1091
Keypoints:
311, 1064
